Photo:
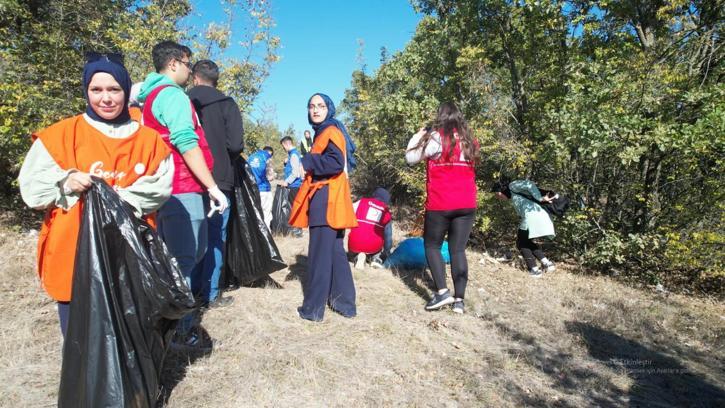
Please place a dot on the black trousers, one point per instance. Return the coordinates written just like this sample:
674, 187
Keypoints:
457, 225
529, 249
292, 193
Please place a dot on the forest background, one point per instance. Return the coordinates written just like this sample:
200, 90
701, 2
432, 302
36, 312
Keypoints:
619, 104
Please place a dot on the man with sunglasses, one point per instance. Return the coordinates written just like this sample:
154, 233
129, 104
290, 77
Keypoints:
182, 221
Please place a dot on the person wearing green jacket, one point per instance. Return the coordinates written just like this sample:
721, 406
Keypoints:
535, 221
181, 220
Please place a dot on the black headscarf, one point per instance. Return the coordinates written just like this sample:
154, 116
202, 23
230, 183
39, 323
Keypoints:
119, 73
331, 121
382, 195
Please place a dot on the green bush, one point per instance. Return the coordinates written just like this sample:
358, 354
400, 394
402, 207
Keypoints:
630, 125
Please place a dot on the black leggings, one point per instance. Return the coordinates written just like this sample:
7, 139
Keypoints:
529, 249
457, 224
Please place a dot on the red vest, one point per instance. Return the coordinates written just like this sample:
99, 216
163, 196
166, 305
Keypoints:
451, 183
184, 180
372, 217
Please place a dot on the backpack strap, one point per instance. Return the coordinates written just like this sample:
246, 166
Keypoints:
528, 197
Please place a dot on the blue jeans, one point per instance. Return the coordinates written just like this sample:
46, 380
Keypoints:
207, 272
182, 226
387, 240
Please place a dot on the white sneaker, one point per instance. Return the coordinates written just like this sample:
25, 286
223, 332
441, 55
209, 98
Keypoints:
535, 272
360, 261
458, 306
377, 263
548, 266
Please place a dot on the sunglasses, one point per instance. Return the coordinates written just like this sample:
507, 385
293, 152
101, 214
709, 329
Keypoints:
92, 56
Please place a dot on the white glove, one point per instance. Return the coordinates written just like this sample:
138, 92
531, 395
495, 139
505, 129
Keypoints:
217, 201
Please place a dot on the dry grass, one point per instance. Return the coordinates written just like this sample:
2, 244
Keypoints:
564, 340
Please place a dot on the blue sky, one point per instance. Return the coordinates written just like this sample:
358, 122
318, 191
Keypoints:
320, 47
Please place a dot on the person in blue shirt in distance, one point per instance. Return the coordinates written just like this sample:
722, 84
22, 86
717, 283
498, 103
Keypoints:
258, 164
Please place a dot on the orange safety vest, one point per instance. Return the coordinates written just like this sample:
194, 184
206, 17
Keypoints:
74, 144
340, 214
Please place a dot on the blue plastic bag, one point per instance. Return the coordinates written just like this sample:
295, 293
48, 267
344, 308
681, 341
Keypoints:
410, 254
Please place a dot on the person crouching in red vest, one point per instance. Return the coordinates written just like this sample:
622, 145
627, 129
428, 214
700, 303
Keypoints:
373, 235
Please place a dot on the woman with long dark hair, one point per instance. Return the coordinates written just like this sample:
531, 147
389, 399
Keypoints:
450, 152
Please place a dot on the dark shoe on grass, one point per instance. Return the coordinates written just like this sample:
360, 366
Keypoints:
439, 301
191, 342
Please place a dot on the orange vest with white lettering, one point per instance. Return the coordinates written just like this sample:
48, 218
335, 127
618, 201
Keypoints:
74, 144
339, 204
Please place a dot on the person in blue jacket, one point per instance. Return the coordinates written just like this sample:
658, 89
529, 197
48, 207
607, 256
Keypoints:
258, 163
293, 173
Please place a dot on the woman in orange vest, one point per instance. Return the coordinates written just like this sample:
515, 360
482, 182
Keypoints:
324, 204
103, 142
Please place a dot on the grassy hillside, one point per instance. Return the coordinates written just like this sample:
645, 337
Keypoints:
564, 340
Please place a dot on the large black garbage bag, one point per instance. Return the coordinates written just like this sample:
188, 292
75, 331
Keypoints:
128, 294
281, 209
250, 252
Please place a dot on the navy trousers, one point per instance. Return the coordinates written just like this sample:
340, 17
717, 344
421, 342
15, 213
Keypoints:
63, 315
329, 279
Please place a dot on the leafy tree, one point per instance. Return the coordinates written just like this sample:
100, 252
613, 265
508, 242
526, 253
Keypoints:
42, 44
619, 103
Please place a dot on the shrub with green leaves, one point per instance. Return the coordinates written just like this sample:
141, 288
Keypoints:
619, 104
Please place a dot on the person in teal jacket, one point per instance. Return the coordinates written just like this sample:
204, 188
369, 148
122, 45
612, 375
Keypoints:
535, 221
182, 223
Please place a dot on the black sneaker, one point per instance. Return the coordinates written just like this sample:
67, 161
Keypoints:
192, 341
458, 306
439, 301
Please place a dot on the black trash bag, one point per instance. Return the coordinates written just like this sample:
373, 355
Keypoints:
558, 206
281, 209
250, 252
128, 294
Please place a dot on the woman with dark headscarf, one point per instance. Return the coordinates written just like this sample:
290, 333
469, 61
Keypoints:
103, 142
324, 204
